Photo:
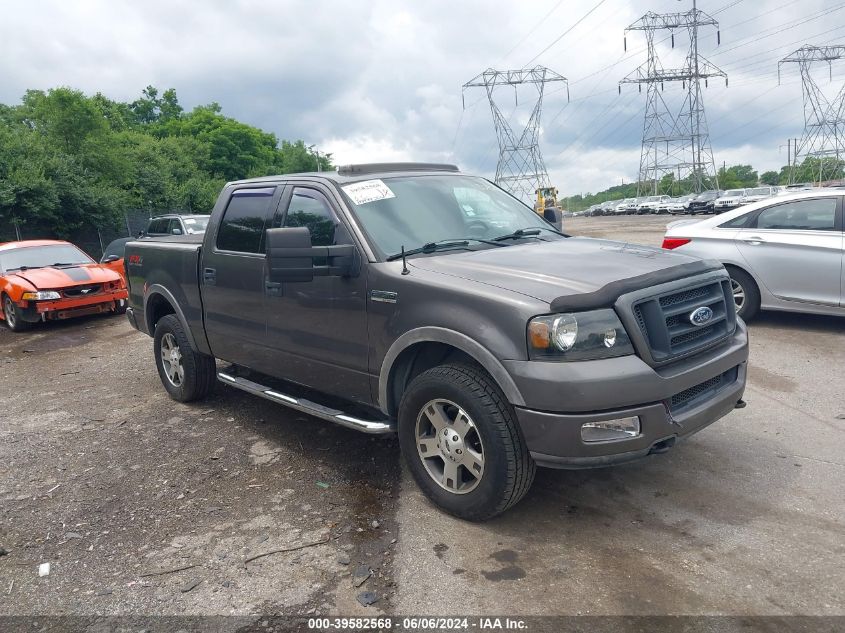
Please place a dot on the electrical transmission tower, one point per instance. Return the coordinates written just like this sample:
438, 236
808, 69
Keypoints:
675, 140
520, 168
824, 120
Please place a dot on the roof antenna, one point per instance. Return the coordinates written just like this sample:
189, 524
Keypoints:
405, 270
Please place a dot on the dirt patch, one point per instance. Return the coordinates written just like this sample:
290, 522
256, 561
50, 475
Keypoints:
142, 505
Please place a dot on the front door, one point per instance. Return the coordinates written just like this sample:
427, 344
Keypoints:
795, 249
318, 329
232, 276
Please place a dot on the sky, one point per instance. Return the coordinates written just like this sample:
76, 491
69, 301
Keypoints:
374, 81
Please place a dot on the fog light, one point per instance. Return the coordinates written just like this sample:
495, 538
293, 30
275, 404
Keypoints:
610, 430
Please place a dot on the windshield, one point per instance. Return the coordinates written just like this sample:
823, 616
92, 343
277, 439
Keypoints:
195, 223
411, 211
734, 192
759, 191
41, 256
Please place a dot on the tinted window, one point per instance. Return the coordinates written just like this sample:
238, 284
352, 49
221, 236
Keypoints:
311, 209
242, 227
159, 225
801, 215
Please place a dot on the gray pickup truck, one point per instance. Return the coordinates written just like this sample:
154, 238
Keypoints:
416, 299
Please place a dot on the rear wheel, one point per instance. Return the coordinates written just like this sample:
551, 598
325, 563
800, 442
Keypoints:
462, 444
186, 374
745, 293
12, 315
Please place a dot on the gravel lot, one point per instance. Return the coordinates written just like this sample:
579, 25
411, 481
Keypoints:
145, 506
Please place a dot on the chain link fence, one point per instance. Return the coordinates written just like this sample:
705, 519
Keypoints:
91, 239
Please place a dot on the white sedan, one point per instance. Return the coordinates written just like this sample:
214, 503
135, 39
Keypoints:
783, 253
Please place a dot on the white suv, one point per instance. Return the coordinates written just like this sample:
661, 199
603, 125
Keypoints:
731, 199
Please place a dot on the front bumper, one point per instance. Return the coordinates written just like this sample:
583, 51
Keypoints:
561, 397
34, 311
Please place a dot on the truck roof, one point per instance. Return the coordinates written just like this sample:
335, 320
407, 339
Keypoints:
363, 171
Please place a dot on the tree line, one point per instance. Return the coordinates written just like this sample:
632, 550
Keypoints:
734, 177
69, 160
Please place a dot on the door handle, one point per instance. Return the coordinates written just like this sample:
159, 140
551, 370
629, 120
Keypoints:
753, 240
209, 276
273, 288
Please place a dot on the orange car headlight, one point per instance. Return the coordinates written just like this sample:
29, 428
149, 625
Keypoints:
41, 295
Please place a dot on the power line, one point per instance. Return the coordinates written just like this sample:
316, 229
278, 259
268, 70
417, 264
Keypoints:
562, 35
529, 33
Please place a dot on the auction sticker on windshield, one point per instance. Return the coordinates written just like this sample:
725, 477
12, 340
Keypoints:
368, 191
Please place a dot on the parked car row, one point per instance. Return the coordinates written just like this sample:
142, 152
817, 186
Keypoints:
706, 202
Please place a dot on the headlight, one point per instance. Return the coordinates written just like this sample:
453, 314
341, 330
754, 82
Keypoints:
578, 336
41, 295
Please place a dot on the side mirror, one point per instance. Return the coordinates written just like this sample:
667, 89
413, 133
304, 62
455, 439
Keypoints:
290, 256
176, 232
110, 259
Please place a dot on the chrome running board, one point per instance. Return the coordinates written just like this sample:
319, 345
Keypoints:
306, 406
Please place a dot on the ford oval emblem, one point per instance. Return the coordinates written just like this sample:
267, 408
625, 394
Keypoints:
701, 316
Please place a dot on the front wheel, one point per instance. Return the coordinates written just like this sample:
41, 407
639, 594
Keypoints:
186, 374
461, 441
12, 315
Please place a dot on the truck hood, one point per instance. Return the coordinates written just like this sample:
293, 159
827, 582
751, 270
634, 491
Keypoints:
566, 268
53, 278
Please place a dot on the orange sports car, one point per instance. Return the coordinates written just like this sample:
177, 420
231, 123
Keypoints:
43, 280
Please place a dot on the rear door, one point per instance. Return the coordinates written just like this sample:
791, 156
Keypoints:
317, 330
232, 275
795, 249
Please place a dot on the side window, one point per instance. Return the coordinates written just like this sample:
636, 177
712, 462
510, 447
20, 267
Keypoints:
309, 207
158, 225
802, 215
242, 227
173, 226
738, 222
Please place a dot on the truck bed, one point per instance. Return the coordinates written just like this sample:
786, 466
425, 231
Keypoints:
170, 263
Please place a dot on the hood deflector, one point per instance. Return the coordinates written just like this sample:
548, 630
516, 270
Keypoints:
607, 295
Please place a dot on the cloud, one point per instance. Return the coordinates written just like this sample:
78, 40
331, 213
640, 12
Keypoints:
382, 80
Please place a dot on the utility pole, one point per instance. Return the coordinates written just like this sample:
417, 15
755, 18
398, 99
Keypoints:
824, 118
675, 139
520, 168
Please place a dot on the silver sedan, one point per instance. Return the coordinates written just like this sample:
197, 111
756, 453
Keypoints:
783, 253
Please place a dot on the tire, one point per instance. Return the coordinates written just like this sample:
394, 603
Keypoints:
194, 375
742, 282
506, 470
120, 308
12, 316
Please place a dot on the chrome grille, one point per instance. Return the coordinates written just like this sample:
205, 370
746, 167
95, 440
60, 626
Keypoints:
665, 320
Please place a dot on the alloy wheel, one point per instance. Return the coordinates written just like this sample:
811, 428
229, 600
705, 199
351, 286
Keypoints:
449, 446
9, 312
171, 360
738, 293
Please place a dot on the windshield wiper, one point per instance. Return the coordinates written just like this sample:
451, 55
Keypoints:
64, 264
431, 247
531, 231
23, 269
